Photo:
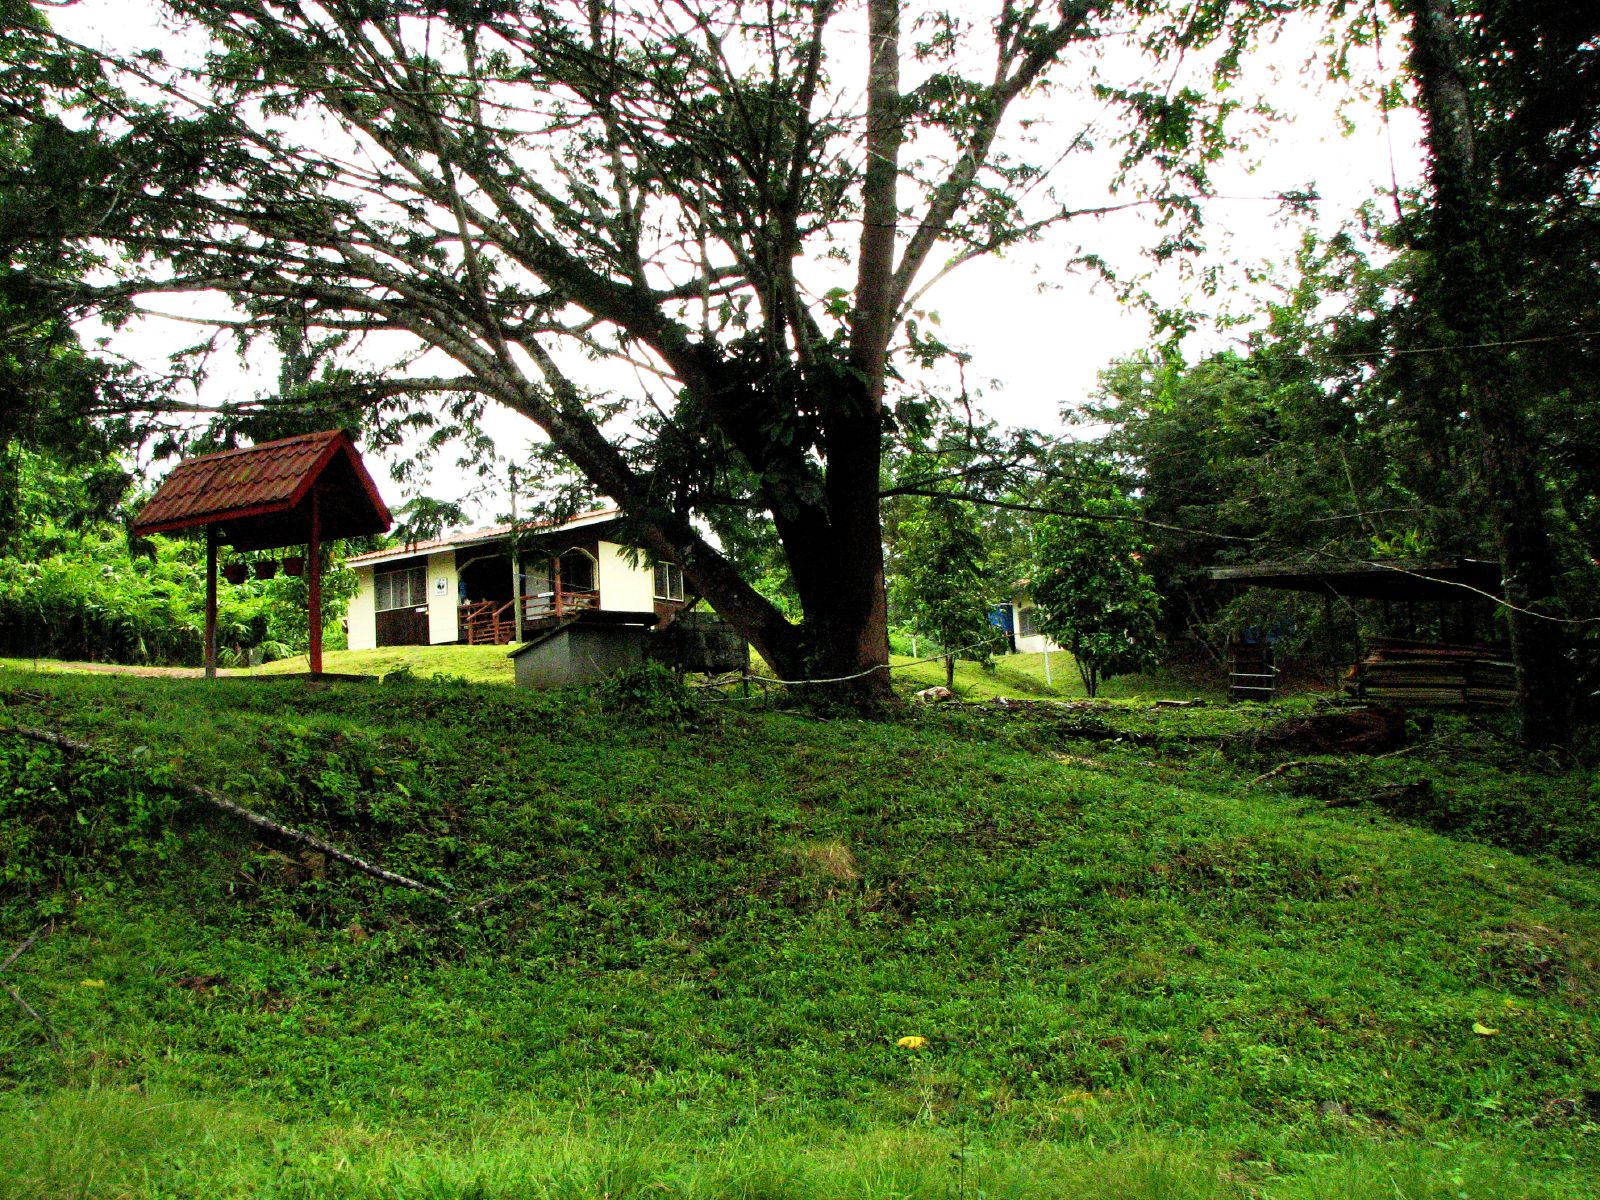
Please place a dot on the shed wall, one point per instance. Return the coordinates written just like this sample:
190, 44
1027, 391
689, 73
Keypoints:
579, 655
1033, 643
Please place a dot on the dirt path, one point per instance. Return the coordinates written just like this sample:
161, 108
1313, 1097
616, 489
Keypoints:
122, 669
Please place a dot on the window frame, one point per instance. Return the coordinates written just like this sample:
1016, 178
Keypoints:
670, 571
1027, 623
383, 581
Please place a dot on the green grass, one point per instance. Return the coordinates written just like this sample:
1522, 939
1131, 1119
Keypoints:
1022, 677
477, 664
1013, 676
1138, 975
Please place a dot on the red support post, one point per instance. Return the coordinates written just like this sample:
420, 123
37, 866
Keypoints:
211, 602
314, 604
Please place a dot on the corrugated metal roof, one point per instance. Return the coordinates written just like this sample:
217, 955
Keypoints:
475, 537
1394, 579
232, 485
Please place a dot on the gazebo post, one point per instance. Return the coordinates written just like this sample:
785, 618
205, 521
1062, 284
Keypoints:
314, 604
211, 602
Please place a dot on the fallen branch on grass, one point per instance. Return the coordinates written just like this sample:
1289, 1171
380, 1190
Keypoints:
250, 817
413, 940
47, 928
1281, 768
485, 905
49, 1031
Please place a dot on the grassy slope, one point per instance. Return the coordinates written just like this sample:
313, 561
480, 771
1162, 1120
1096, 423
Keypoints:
1012, 676
1137, 977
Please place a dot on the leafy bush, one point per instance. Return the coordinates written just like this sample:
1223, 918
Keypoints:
650, 692
66, 823
89, 598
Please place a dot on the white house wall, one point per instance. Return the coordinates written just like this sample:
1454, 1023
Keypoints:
1033, 643
625, 586
361, 621
444, 605
1036, 644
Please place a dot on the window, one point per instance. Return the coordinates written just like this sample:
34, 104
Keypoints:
405, 588
1026, 625
577, 572
669, 581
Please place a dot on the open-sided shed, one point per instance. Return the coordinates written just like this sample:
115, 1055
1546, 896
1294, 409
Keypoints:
305, 490
1459, 670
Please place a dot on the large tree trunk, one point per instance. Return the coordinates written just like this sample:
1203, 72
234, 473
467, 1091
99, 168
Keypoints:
1471, 298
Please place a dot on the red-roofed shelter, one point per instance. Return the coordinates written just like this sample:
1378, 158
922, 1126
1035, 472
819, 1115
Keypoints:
302, 490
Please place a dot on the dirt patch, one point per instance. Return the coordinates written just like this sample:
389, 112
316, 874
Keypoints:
127, 669
1536, 959
1378, 729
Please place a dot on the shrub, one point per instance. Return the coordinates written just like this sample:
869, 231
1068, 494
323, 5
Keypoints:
651, 692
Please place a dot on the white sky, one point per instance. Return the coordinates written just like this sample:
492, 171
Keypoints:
1038, 334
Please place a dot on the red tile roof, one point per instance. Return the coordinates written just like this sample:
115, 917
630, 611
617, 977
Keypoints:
232, 486
470, 537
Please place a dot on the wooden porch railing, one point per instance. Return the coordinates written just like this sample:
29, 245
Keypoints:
486, 623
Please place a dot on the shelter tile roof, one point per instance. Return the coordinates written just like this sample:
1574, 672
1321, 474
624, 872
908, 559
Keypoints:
236, 487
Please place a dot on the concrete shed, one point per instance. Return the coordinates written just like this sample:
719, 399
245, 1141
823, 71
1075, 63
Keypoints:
582, 652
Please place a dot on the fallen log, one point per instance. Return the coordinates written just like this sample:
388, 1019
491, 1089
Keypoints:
255, 820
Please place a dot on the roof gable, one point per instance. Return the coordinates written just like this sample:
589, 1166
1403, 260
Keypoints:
256, 493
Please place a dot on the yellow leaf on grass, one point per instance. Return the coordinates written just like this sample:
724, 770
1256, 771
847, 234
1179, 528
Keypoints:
912, 1043
97, 983
1482, 1030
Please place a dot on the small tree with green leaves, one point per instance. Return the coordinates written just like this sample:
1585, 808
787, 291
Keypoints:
1092, 593
941, 580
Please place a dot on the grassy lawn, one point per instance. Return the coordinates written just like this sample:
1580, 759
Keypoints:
1014, 676
1137, 974
476, 664
1023, 676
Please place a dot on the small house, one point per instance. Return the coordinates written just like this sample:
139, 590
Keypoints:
1018, 618
462, 588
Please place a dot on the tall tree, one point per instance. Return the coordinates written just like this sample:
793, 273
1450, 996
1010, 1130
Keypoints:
942, 582
684, 186
49, 388
1508, 95
1092, 593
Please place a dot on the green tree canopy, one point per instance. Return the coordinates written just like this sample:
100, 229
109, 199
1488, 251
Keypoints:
1092, 594
725, 196
943, 584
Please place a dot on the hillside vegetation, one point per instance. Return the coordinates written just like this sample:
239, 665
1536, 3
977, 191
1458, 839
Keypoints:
1137, 973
